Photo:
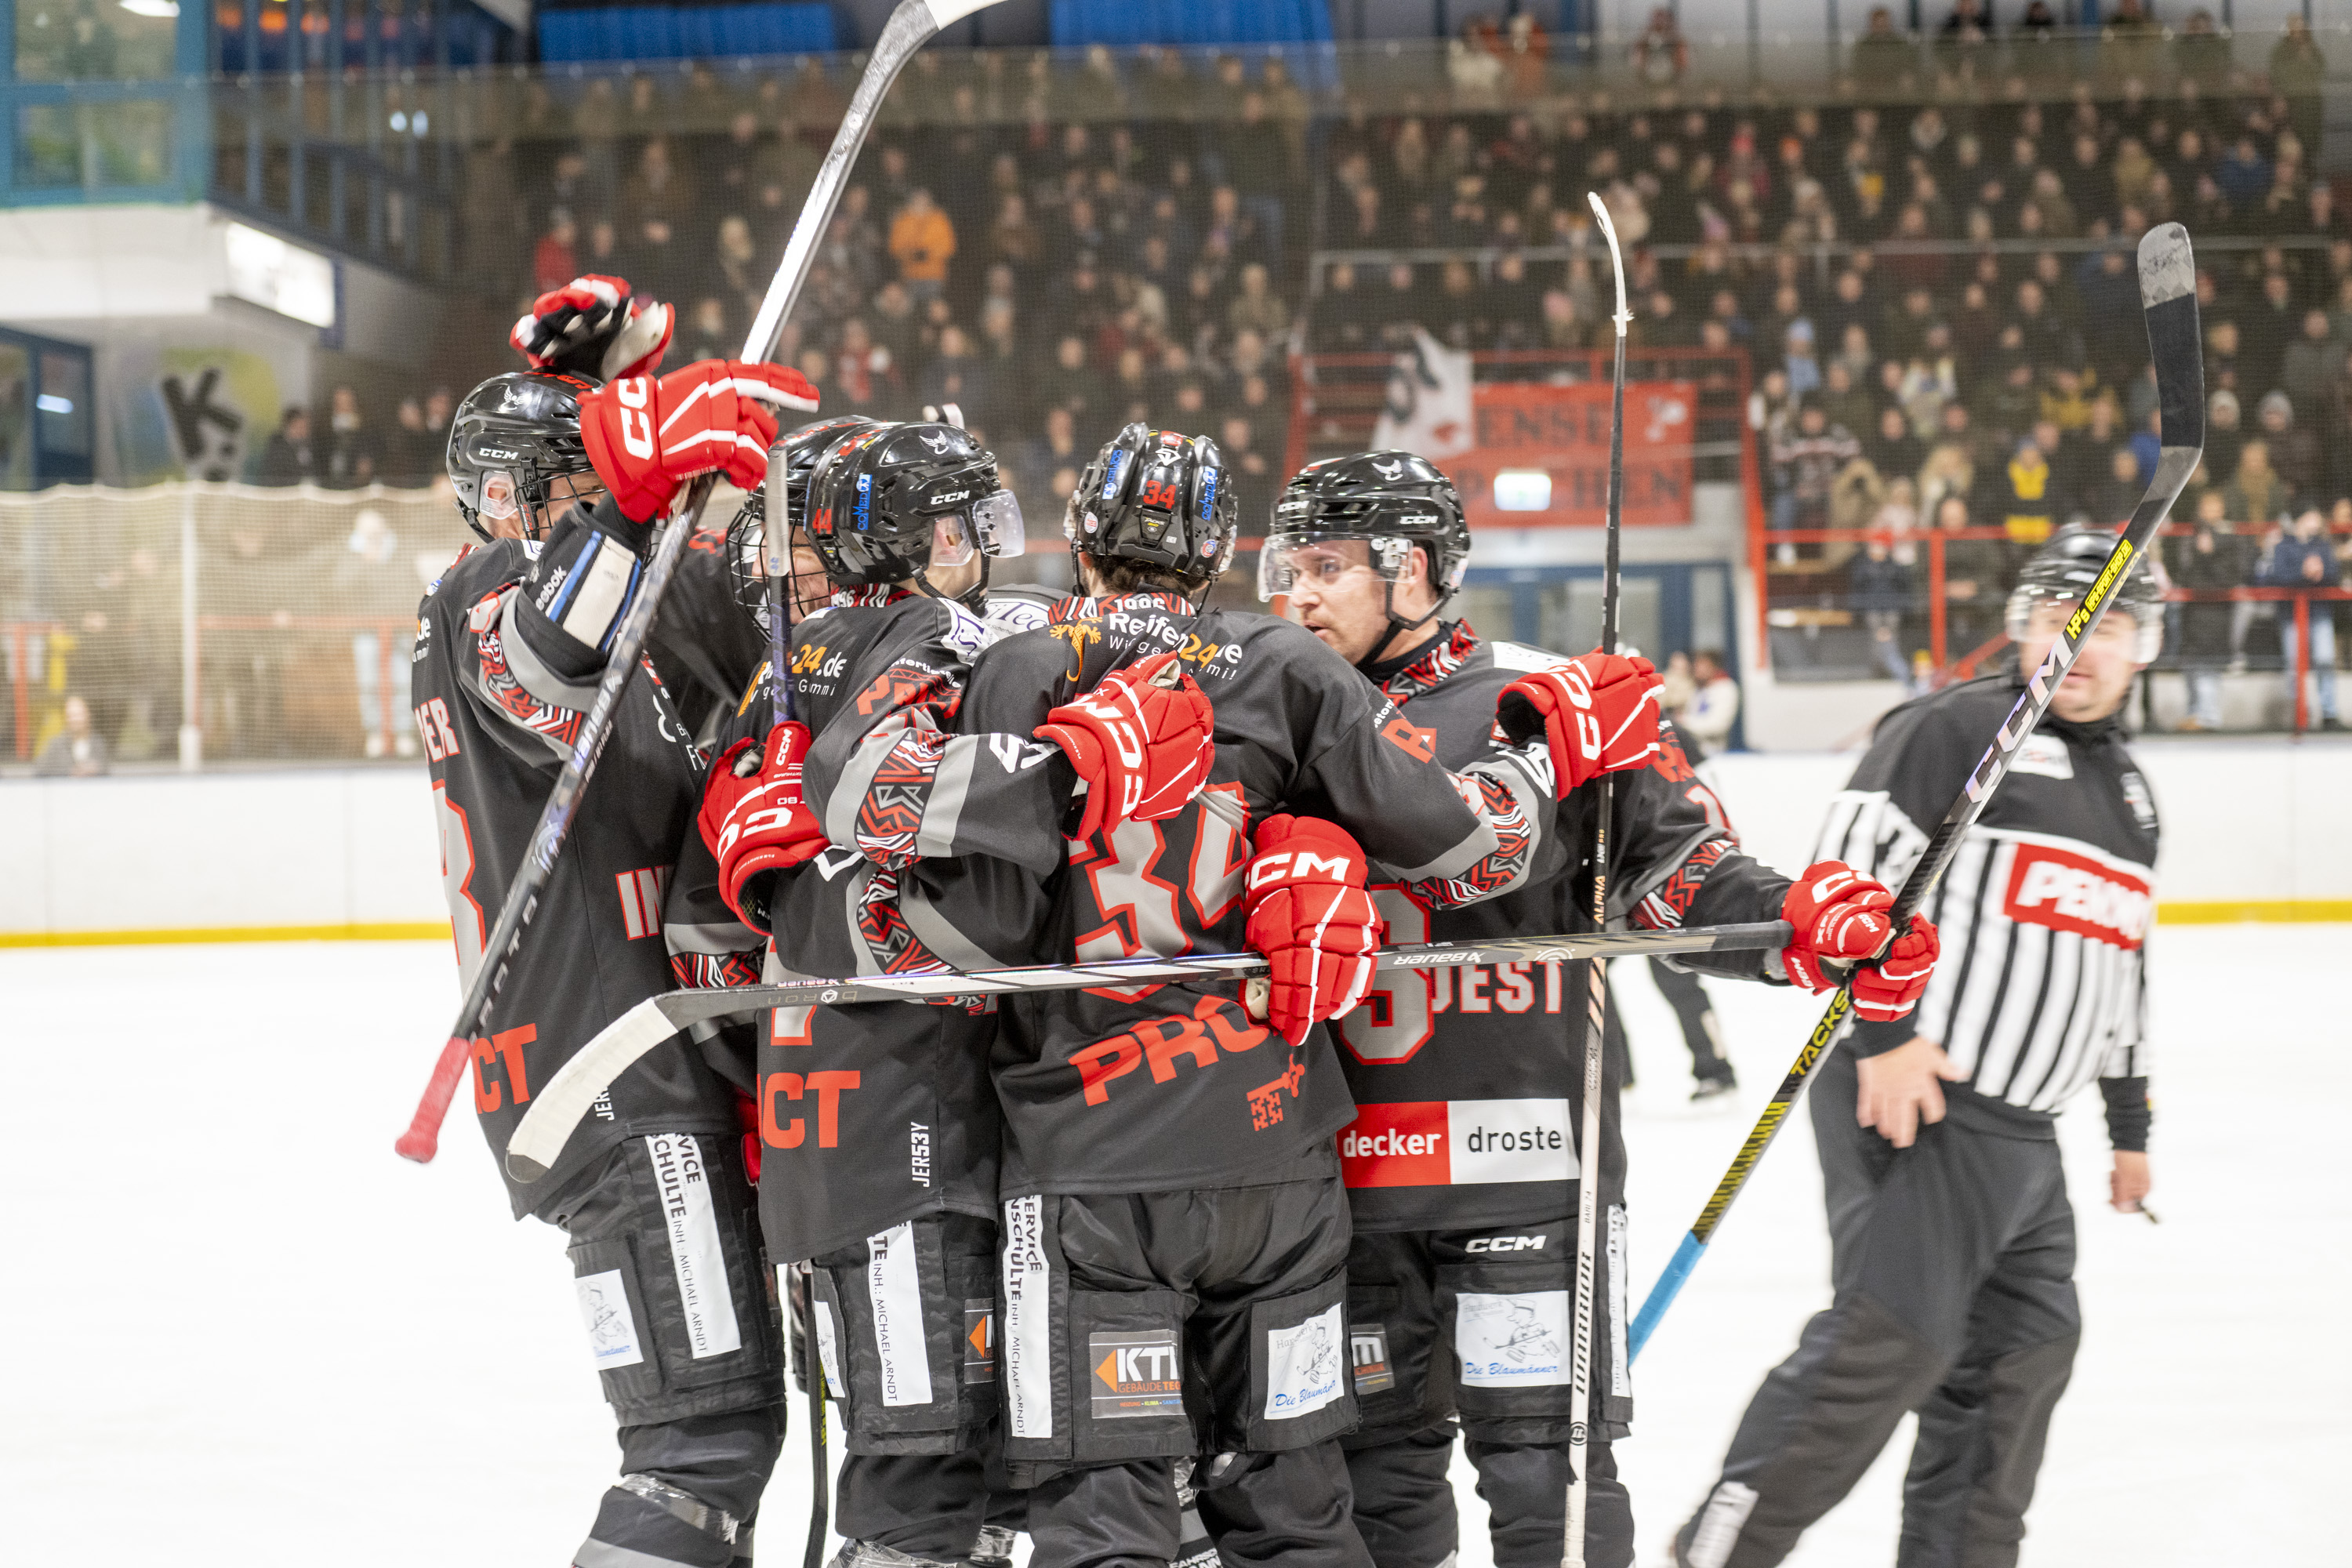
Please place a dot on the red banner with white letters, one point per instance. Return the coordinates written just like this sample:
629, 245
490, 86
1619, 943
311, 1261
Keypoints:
1541, 456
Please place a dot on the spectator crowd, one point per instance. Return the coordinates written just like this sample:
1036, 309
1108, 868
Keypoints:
1929, 273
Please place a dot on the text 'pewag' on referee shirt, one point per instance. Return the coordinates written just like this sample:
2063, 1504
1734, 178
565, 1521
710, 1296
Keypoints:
2044, 912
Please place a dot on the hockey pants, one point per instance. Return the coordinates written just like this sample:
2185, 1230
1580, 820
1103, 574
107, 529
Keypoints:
1141, 1329
905, 1339
1472, 1323
1953, 1264
684, 1331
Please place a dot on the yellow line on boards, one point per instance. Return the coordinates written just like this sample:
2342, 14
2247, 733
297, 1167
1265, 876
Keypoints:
383, 930
2231, 911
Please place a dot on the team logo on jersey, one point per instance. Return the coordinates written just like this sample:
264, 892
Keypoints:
1368, 1349
2072, 892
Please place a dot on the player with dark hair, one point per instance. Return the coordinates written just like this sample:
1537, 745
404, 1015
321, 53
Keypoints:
1461, 1163
1175, 1229
878, 1127
1952, 1242
566, 477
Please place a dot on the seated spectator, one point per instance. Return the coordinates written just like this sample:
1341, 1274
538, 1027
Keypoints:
2303, 556
1707, 719
287, 457
75, 752
2255, 493
957, 375
2209, 564
1806, 460
1878, 588
706, 335
1976, 581
2029, 511
922, 241
353, 454
2294, 451
1255, 308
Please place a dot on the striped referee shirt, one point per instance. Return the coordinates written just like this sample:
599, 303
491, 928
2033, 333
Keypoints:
2044, 911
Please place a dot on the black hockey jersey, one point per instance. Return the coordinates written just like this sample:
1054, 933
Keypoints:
497, 716
2044, 912
1468, 1081
703, 642
1164, 1087
873, 1114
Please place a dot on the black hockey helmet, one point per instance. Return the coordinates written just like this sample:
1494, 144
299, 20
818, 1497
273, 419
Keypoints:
2062, 571
515, 453
1158, 497
1390, 501
887, 501
790, 462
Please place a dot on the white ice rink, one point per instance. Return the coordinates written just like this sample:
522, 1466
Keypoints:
241, 1331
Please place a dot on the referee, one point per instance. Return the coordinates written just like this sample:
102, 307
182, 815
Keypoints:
1952, 1243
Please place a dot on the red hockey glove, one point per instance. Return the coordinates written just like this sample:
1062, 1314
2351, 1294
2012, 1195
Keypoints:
1310, 916
752, 815
646, 437
594, 326
1141, 741
1839, 913
1599, 714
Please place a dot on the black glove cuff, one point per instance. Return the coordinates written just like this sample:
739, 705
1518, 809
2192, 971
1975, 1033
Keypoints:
1875, 1038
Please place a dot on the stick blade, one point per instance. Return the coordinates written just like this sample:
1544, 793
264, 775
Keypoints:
2168, 293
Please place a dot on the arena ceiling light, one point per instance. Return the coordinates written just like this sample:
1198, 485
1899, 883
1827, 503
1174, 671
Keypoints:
151, 7
266, 271
1522, 489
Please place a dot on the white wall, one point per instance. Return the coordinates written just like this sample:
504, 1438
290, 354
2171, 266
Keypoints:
313, 847
2252, 821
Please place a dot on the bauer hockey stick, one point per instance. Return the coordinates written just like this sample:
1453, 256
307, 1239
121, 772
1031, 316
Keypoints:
558, 1108
1586, 1156
910, 27
2167, 294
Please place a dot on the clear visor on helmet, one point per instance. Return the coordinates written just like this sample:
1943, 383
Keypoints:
1323, 560
990, 526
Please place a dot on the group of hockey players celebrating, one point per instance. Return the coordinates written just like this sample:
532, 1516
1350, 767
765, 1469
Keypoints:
1148, 1272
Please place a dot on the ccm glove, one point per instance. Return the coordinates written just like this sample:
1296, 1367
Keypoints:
1839, 914
1140, 740
1309, 915
594, 326
646, 437
754, 819
1599, 714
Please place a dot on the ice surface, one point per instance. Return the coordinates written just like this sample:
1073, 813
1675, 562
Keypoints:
242, 1331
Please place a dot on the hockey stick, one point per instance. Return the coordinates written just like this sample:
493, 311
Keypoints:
1587, 1153
910, 25
2168, 293
558, 1108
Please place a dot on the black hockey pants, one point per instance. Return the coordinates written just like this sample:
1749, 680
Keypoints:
1404, 1502
1953, 1263
1142, 1328
683, 1328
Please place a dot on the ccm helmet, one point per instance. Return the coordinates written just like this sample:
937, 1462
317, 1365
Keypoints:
515, 455
790, 462
2062, 571
1390, 501
1158, 497
890, 501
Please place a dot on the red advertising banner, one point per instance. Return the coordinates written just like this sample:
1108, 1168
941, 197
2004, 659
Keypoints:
1542, 454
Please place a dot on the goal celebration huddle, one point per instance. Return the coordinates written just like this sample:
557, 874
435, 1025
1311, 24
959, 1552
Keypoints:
1140, 1065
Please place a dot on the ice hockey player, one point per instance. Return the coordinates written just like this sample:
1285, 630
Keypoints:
1175, 1231
878, 1128
565, 476
1952, 1243
1467, 1081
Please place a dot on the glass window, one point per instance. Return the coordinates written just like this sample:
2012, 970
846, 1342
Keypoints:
95, 41
15, 418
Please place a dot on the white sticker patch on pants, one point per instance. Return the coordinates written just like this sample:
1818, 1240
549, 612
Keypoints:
1028, 1343
1512, 1341
894, 1284
693, 1226
612, 1328
828, 1349
1620, 1364
1304, 1365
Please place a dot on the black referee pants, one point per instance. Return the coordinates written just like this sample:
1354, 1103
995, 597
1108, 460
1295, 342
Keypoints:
1953, 1263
